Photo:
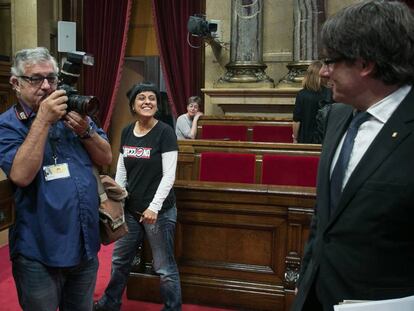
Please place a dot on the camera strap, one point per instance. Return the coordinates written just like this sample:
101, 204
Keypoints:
21, 113
55, 170
53, 141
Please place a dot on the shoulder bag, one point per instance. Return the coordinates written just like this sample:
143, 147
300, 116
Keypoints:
112, 223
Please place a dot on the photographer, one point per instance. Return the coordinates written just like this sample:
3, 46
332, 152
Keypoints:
48, 153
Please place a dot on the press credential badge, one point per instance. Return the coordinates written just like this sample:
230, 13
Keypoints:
56, 171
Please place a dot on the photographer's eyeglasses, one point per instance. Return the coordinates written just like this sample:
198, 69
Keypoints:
38, 80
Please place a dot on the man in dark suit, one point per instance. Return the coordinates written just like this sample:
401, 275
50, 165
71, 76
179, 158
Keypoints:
361, 244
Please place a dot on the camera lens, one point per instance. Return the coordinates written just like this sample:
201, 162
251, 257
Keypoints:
92, 105
83, 104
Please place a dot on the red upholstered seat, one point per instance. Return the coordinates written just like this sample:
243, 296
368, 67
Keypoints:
227, 167
272, 133
290, 170
228, 132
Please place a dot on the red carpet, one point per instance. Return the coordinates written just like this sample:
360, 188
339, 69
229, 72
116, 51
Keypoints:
8, 295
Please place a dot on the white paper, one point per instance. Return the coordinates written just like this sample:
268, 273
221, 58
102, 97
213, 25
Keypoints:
401, 304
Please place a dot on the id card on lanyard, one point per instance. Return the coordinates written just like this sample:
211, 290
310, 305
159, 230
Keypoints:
55, 171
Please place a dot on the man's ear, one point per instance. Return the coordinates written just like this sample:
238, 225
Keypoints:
368, 67
15, 83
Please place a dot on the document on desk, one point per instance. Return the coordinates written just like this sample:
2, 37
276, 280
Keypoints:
401, 304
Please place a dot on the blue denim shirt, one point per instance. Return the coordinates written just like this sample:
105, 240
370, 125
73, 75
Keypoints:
56, 221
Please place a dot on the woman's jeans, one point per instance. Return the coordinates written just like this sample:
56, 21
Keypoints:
42, 288
161, 239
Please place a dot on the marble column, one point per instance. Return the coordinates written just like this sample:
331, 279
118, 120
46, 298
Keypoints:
308, 17
246, 67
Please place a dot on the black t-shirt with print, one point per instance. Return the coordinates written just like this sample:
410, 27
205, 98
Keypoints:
143, 164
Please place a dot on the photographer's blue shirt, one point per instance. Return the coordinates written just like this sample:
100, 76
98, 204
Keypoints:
56, 221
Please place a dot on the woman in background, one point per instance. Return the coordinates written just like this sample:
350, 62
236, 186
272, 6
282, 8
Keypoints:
146, 168
307, 104
322, 117
186, 127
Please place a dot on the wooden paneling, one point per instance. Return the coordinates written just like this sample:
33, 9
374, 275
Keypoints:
243, 120
235, 244
141, 34
6, 204
248, 121
7, 96
5, 26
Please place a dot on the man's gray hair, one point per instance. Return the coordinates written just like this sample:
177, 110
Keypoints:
27, 57
379, 31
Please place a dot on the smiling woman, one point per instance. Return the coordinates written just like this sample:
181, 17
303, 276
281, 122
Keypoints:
146, 167
145, 107
143, 104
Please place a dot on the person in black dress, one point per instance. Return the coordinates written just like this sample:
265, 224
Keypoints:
307, 105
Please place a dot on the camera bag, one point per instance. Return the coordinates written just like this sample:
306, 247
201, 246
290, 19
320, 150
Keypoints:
112, 223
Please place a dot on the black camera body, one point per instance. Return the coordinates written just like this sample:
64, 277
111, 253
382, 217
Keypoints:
68, 76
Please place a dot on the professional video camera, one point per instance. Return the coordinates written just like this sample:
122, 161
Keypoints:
68, 77
198, 25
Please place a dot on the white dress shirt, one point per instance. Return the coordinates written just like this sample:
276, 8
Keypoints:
380, 113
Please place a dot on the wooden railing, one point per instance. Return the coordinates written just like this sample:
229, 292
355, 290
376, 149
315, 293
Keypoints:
245, 128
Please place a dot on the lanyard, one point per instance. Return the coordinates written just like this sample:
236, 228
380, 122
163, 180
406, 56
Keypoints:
53, 139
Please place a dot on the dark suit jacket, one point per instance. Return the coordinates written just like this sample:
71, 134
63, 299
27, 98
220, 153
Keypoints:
365, 249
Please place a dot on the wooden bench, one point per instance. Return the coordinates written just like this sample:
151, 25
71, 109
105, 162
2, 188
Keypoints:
237, 245
245, 128
222, 154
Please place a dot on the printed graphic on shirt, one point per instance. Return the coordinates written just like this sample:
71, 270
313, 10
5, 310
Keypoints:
136, 152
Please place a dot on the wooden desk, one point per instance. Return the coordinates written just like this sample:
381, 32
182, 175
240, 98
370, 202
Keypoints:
237, 245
